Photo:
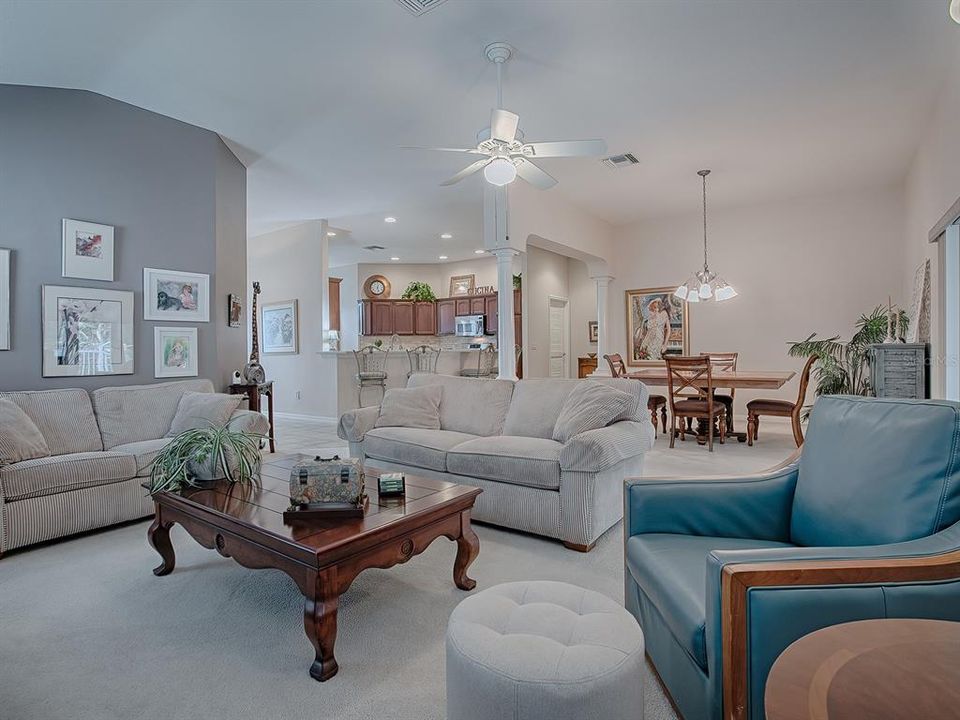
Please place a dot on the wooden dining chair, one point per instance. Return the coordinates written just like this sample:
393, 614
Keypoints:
619, 369
780, 408
685, 374
724, 361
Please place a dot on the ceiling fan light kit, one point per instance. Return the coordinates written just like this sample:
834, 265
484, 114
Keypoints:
504, 153
705, 285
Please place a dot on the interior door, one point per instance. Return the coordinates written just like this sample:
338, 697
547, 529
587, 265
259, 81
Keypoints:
559, 338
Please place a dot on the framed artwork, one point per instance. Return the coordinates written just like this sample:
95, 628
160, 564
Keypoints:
4, 299
919, 328
234, 311
177, 296
657, 326
174, 352
87, 331
462, 284
278, 327
87, 250
593, 332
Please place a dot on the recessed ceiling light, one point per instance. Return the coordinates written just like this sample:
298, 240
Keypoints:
445, 236
443, 257
479, 252
390, 219
331, 233
394, 259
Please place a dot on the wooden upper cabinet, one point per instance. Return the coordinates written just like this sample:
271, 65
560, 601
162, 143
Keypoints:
478, 305
425, 318
446, 317
381, 318
333, 296
491, 313
403, 322
463, 306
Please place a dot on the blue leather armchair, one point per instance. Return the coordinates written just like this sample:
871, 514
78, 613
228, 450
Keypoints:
723, 574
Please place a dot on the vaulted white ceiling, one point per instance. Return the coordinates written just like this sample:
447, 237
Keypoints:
778, 98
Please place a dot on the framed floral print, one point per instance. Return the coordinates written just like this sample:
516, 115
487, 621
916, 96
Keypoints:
4, 299
657, 326
175, 352
87, 250
87, 331
278, 327
175, 295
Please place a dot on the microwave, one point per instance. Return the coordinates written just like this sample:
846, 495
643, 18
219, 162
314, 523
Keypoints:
468, 325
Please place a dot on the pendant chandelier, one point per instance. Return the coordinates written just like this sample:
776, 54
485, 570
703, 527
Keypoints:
705, 285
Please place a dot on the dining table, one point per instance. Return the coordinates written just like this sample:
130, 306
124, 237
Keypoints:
721, 379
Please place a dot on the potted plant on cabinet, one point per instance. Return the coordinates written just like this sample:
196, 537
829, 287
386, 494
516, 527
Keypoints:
419, 292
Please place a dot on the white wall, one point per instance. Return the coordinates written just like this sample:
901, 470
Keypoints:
800, 265
933, 185
290, 263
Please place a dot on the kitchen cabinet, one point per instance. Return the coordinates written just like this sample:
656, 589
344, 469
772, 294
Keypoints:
490, 314
478, 305
424, 318
403, 323
381, 318
333, 296
446, 316
463, 306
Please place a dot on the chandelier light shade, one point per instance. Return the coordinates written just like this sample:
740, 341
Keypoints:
705, 285
500, 171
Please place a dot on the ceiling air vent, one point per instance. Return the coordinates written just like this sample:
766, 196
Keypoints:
419, 7
374, 247
616, 162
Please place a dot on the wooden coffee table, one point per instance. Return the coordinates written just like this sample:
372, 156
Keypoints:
323, 558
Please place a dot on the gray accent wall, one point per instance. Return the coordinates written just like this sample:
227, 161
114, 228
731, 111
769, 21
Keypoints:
174, 193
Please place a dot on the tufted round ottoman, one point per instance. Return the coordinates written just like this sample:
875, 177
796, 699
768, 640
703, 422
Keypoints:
532, 650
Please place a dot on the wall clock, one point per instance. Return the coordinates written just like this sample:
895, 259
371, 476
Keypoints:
376, 287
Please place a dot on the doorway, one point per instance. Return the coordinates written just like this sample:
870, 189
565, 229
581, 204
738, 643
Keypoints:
559, 324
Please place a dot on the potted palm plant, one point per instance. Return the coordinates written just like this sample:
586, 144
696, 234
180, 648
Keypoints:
202, 457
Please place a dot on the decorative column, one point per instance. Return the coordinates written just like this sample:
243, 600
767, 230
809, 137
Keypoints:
506, 342
603, 286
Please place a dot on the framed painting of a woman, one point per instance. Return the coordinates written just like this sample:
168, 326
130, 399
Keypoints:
657, 326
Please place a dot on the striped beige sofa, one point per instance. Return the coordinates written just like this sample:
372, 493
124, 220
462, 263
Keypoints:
101, 448
497, 435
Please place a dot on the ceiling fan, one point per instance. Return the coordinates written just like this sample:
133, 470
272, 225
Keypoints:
505, 155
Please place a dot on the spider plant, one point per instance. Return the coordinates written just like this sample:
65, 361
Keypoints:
842, 368
203, 454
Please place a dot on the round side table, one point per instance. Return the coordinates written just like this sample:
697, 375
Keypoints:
877, 669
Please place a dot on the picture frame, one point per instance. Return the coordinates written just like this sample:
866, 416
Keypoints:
593, 331
279, 328
462, 284
175, 295
175, 352
234, 311
5, 256
87, 250
658, 326
87, 331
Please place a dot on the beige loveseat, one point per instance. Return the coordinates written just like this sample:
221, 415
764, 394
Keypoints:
101, 445
498, 435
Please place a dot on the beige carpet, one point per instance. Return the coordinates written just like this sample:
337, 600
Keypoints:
88, 633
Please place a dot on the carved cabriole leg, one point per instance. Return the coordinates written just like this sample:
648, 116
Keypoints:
653, 419
468, 547
320, 623
158, 535
663, 417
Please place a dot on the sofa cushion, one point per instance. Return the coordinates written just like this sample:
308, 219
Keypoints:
413, 446
64, 417
469, 405
671, 570
534, 462
200, 410
59, 473
20, 438
417, 407
140, 412
590, 406
877, 471
638, 412
143, 453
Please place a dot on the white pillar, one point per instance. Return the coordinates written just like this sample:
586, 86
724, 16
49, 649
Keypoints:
506, 342
603, 287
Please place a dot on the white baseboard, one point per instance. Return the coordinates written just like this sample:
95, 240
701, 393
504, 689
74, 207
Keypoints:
298, 416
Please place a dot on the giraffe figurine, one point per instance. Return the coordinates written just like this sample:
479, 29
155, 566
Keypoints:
253, 372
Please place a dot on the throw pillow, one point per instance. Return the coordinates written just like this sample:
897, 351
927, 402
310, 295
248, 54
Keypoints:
203, 410
591, 405
411, 407
20, 439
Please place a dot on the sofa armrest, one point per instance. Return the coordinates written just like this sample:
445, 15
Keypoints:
354, 424
249, 421
756, 506
597, 450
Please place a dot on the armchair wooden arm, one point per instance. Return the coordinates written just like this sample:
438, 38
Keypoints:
737, 580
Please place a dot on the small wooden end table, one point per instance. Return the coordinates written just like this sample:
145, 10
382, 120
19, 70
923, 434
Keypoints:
878, 669
322, 557
253, 393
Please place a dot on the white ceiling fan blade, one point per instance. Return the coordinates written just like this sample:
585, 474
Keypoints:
566, 148
475, 151
503, 125
468, 170
534, 175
